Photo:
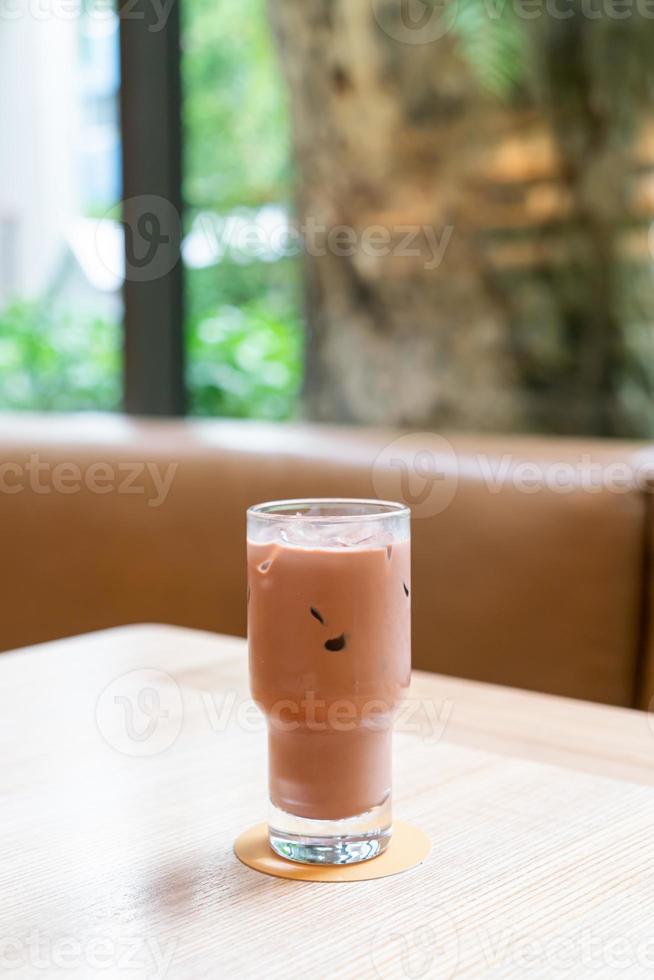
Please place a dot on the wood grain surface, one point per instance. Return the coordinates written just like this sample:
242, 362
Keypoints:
131, 759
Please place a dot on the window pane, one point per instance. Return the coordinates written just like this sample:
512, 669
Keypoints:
243, 329
60, 267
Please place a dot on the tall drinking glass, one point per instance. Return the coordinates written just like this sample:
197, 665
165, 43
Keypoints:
330, 656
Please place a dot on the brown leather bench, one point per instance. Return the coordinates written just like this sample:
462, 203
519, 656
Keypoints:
531, 557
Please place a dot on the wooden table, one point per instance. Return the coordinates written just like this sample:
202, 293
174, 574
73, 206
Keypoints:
131, 759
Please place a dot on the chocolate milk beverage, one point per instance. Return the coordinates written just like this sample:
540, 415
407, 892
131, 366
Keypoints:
329, 641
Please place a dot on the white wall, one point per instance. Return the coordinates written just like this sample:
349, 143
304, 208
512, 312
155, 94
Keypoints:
38, 140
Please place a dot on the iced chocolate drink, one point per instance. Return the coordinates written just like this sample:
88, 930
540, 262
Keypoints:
329, 639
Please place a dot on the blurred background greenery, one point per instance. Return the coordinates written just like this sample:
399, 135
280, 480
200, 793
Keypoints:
52, 360
532, 135
244, 329
244, 335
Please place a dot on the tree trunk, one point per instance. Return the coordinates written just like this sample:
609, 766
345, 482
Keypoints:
470, 262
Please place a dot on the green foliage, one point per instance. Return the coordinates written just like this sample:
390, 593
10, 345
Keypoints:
494, 42
55, 361
244, 340
235, 116
244, 332
243, 329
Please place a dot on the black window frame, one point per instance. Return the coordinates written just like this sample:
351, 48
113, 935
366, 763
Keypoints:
151, 129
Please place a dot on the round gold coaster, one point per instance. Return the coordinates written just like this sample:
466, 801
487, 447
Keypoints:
408, 848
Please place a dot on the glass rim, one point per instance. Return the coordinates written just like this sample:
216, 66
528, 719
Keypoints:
287, 510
